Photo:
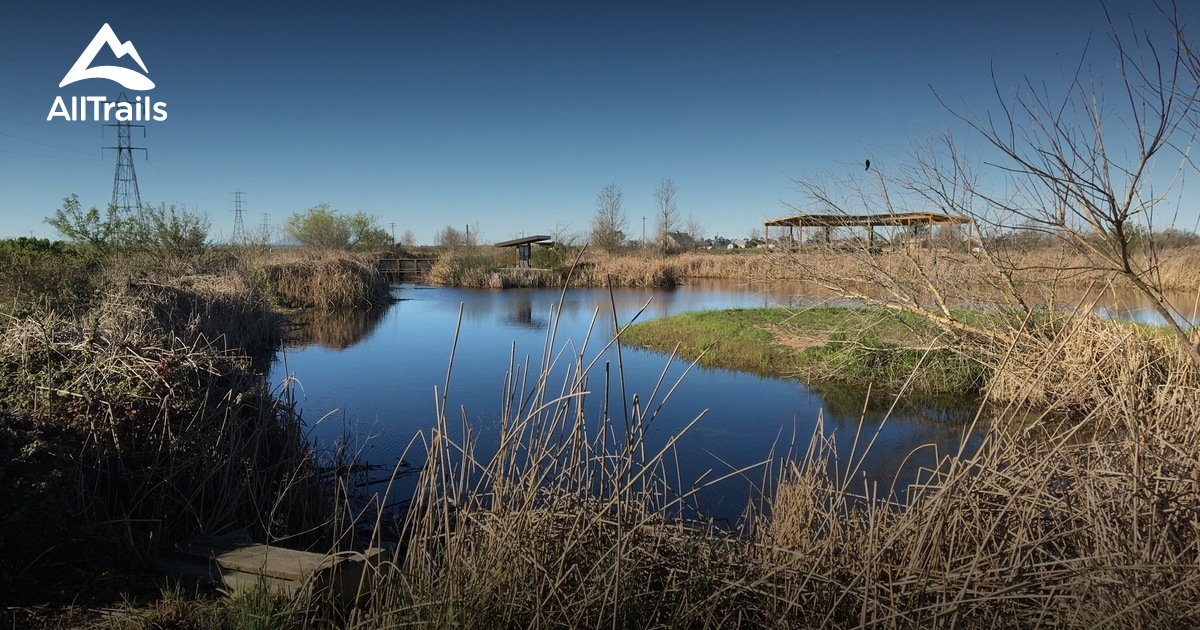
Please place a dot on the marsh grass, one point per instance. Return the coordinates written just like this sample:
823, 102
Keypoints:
304, 278
841, 346
576, 516
490, 268
136, 426
575, 521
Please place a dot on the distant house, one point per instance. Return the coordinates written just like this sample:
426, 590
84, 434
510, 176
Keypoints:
678, 241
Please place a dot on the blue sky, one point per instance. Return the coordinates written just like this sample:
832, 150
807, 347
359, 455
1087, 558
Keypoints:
512, 117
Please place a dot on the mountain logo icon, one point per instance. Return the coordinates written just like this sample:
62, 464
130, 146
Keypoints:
130, 79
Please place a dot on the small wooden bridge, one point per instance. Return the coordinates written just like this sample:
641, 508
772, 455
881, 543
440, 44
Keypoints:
405, 269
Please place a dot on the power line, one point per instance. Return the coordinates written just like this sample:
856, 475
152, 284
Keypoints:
125, 187
239, 228
52, 146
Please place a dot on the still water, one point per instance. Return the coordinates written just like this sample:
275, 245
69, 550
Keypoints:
370, 379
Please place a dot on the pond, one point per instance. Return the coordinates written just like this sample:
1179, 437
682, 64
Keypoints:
369, 379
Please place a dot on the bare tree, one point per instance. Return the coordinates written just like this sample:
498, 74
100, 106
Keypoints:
451, 238
610, 221
408, 239
694, 228
1055, 170
563, 235
1060, 152
666, 211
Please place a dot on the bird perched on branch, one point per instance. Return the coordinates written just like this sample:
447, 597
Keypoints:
868, 166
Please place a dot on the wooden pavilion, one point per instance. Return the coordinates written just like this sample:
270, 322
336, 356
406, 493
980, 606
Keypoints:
912, 222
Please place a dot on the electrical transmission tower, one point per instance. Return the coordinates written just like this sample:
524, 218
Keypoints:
266, 229
239, 228
125, 187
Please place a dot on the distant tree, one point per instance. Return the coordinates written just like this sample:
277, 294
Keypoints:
87, 227
453, 238
666, 211
408, 239
694, 228
158, 227
563, 235
610, 221
322, 227
168, 228
367, 233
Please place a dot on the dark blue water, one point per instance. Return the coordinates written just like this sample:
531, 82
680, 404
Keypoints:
373, 384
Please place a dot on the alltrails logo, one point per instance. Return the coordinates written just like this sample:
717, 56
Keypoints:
99, 106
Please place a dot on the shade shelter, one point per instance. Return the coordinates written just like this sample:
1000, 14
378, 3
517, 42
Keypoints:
524, 247
910, 221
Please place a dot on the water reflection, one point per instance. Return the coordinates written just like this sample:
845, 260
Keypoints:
522, 314
374, 374
335, 330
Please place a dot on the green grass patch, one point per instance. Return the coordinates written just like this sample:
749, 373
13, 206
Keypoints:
822, 345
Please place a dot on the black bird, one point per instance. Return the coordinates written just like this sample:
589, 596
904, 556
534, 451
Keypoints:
868, 166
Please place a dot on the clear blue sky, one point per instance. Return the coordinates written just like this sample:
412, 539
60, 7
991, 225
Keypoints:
511, 116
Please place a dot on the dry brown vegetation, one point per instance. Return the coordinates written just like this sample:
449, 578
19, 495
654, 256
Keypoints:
576, 522
132, 427
491, 269
303, 278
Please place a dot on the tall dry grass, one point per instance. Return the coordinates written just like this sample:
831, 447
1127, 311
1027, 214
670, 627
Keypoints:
571, 522
574, 521
639, 270
488, 268
492, 269
136, 426
1089, 523
301, 278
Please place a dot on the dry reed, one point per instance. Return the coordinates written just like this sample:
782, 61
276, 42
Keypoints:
575, 522
321, 279
143, 425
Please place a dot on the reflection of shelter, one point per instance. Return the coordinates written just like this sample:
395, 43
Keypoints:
917, 226
524, 247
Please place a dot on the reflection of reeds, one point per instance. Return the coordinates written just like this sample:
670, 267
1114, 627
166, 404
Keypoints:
333, 328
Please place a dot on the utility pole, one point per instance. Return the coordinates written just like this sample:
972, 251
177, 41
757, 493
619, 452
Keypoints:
393, 224
125, 187
239, 228
643, 230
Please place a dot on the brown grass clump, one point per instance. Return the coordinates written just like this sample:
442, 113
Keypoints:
135, 427
488, 268
483, 268
226, 309
639, 270
1090, 524
310, 279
